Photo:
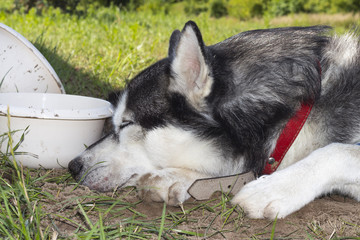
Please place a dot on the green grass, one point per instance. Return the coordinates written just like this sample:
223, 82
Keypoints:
93, 55
96, 53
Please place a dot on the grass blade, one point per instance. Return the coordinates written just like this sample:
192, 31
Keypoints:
162, 221
88, 221
273, 229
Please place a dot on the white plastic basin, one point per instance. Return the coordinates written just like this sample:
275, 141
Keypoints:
23, 67
60, 126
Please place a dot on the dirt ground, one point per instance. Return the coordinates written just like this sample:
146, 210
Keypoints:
330, 217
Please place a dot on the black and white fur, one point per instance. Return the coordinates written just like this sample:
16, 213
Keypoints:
217, 110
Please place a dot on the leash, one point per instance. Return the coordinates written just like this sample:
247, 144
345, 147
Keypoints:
202, 189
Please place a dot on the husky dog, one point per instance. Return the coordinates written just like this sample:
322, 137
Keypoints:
207, 111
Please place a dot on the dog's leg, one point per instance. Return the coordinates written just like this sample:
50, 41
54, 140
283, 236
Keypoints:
168, 185
335, 167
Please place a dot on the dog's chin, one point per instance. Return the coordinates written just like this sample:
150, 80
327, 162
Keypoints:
107, 183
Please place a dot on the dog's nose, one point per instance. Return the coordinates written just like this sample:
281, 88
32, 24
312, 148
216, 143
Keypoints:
75, 167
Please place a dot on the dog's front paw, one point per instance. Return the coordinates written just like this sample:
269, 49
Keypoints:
161, 187
271, 196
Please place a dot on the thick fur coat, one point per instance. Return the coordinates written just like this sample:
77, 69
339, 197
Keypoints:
207, 111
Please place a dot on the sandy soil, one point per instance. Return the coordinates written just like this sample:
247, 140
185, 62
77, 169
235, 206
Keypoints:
329, 217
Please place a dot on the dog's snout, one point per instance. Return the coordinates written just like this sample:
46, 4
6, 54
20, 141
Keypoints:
75, 166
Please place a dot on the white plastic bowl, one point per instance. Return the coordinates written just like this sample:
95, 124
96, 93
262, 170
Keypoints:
60, 126
23, 67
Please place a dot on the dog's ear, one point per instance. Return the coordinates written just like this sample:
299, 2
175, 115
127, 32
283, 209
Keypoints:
190, 72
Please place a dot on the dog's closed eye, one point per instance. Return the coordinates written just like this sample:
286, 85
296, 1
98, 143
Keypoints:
125, 123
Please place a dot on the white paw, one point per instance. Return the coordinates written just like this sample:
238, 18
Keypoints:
163, 188
271, 196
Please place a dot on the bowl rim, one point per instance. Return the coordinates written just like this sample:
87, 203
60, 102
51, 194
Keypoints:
105, 110
37, 53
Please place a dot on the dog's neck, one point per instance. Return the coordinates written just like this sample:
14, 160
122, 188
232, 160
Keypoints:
287, 137
289, 134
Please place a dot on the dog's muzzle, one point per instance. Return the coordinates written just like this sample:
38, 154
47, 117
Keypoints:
75, 166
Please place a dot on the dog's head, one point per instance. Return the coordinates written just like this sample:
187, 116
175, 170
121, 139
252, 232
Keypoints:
162, 120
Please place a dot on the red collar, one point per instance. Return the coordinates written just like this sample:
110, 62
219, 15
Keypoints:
289, 134
287, 137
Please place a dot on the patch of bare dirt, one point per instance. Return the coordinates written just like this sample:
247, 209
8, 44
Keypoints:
328, 217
